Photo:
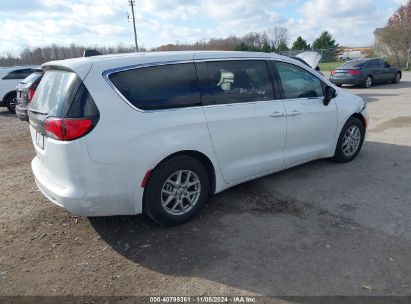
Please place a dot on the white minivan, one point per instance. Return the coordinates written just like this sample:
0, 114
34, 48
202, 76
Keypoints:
159, 132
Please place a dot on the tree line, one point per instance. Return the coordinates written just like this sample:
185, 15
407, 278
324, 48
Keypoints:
39, 55
272, 40
275, 40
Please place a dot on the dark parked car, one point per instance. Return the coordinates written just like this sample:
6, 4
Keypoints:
365, 72
25, 92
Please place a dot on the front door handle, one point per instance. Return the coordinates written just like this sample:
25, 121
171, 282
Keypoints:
294, 113
277, 114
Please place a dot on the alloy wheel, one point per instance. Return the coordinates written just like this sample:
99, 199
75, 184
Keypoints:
368, 81
13, 103
351, 141
180, 192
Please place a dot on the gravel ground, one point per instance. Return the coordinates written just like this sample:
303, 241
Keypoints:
318, 229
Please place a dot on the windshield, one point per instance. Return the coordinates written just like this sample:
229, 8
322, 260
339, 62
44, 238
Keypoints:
55, 92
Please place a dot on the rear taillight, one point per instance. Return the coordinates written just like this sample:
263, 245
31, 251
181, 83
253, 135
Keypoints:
354, 72
332, 72
67, 128
30, 93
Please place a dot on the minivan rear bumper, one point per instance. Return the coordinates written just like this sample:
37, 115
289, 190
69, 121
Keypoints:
95, 199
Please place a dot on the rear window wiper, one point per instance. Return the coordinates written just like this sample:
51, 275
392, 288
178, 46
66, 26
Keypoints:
38, 112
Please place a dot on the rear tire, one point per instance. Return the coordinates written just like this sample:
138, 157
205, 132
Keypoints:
367, 82
397, 77
11, 103
339, 85
176, 190
350, 140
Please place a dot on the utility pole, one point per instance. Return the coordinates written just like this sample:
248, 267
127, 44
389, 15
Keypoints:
132, 4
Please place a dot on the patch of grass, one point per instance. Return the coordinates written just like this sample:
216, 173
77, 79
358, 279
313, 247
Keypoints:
328, 66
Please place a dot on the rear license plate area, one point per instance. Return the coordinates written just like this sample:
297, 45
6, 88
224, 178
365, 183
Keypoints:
40, 140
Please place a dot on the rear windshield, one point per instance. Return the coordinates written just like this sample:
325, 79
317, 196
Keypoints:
63, 94
32, 78
353, 64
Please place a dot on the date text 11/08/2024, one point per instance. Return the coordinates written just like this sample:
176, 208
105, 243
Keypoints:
203, 299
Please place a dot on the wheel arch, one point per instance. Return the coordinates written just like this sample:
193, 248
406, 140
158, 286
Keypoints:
360, 117
8, 94
202, 158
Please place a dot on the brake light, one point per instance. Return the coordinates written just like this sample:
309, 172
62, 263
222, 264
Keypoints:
332, 72
30, 93
354, 72
67, 128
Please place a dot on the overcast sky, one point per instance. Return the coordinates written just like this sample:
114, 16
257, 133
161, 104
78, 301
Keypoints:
104, 22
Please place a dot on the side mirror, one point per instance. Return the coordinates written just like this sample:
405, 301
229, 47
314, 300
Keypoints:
329, 93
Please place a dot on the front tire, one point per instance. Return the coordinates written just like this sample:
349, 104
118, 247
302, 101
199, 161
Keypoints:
11, 103
350, 140
176, 190
367, 82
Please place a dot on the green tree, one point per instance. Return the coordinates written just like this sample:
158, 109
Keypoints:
325, 41
300, 44
267, 48
282, 47
242, 47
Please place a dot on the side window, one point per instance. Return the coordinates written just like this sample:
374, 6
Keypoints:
297, 82
373, 64
386, 64
380, 64
159, 87
18, 74
239, 81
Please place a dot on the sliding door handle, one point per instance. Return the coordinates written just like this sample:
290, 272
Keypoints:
277, 114
293, 113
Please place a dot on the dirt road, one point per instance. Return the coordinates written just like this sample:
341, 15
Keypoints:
318, 229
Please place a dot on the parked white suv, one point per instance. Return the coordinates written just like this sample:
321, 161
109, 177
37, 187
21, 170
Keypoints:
9, 78
159, 132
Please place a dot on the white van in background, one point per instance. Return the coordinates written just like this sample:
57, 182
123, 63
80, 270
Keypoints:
349, 55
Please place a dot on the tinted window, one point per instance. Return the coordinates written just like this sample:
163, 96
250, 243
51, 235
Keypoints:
353, 64
19, 74
380, 64
159, 87
239, 81
32, 77
374, 64
54, 91
297, 82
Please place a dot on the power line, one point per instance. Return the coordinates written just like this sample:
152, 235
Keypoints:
132, 3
